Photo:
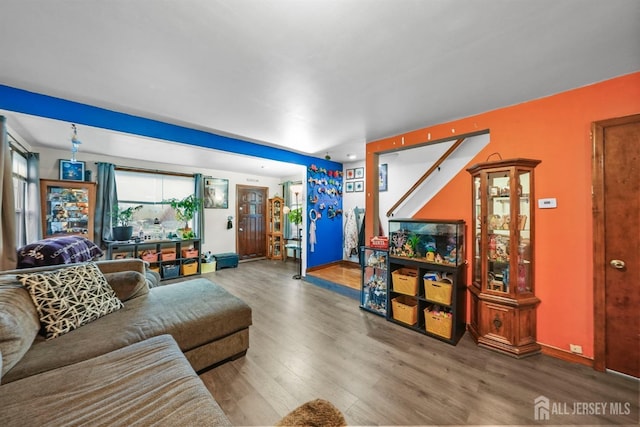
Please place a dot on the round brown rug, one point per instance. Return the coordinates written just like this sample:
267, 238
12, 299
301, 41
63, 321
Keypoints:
316, 413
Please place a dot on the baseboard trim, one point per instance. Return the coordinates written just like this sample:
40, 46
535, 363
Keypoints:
343, 290
566, 355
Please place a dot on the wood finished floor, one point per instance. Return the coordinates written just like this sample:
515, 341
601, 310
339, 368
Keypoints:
307, 342
345, 274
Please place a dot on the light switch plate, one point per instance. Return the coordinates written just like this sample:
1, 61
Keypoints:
549, 203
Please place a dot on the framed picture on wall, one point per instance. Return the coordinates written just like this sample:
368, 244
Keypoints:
350, 174
216, 193
71, 170
359, 173
382, 185
348, 187
359, 186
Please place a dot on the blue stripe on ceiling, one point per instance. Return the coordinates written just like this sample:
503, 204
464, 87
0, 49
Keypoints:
36, 104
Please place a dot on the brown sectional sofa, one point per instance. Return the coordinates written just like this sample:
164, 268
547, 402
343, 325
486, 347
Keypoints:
136, 365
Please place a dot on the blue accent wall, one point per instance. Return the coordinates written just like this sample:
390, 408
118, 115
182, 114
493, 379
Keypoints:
324, 198
329, 232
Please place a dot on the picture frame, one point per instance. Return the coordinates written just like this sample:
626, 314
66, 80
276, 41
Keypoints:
350, 174
382, 172
348, 187
216, 193
359, 186
71, 170
359, 173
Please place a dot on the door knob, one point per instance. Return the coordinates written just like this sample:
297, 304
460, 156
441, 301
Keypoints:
617, 263
240, 229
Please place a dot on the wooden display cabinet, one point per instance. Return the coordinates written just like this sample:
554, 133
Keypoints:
503, 302
67, 208
275, 239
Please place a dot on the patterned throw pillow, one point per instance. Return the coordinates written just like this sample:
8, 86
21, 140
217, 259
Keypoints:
70, 297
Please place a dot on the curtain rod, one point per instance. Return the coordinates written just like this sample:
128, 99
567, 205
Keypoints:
17, 145
156, 171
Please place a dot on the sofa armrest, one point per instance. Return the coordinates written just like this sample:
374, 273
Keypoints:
126, 264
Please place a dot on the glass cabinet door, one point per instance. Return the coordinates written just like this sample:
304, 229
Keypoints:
277, 210
524, 281
506, 230
498, 229
373, 295
477, 232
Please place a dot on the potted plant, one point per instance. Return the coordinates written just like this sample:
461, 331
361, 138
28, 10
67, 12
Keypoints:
185, 210
122, 231
295, 216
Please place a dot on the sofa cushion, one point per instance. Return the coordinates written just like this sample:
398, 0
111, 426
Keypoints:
147, 383
70, 297
127, 284
19, 323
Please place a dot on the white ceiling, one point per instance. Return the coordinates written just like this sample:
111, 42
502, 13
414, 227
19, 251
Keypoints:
313, 76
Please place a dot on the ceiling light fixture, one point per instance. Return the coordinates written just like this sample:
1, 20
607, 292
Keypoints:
75, 142
351, 156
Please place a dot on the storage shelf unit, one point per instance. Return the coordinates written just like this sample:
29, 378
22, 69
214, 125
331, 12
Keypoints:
374, 296
170, 258
455, 318
419, 250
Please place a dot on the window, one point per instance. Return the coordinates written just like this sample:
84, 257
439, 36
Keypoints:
156, 219
19, 170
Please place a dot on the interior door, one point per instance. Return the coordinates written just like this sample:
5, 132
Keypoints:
250, 230
616, 237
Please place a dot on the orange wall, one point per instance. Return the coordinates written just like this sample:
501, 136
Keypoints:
557, 131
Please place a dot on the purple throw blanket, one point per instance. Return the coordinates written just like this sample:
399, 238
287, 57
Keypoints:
58, 250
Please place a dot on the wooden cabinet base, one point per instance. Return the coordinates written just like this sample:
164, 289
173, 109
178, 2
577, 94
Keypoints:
504, 324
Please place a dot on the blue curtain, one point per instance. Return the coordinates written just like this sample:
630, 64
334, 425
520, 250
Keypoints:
286, 191
106, 199
8, 253
198, 218
33, 224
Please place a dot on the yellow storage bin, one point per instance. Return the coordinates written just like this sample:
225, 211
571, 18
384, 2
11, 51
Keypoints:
438, 290
405, 309
405, 281
438, 323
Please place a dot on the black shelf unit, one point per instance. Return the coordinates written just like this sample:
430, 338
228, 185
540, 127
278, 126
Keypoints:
168, 268
457, 308
435, 248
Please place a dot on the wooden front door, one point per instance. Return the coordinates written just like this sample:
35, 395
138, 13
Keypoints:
250, 231
616, 192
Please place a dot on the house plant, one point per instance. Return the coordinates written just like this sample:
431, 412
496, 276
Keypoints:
122, 231
185, 210
295, 216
